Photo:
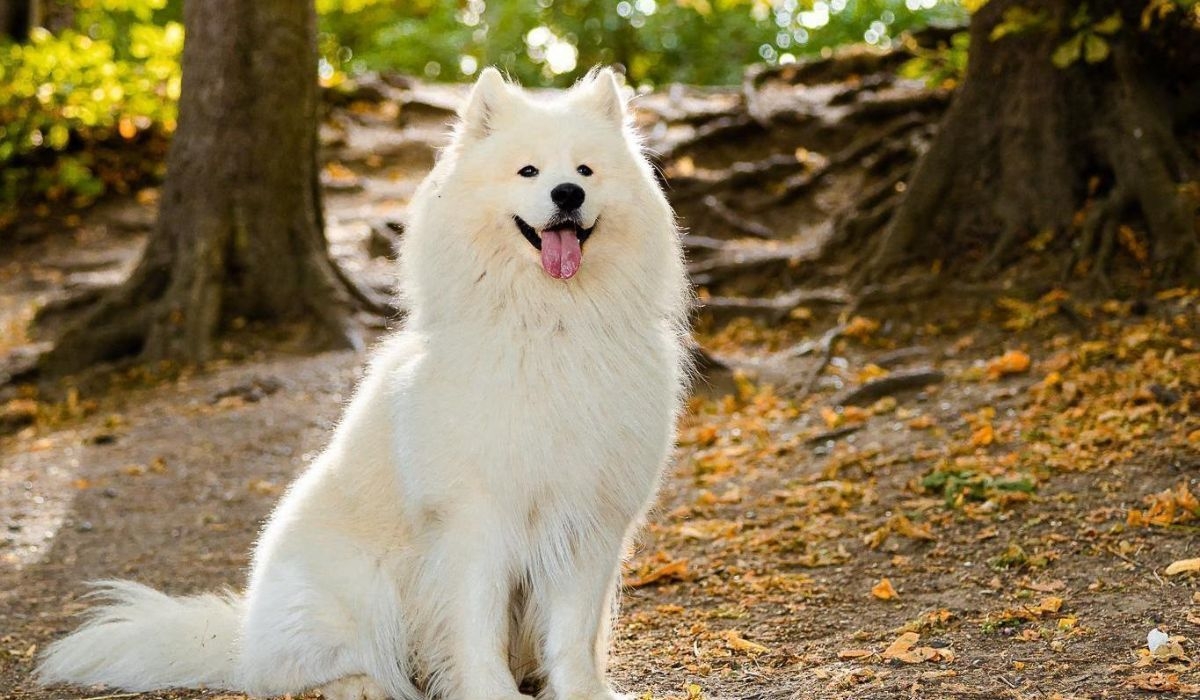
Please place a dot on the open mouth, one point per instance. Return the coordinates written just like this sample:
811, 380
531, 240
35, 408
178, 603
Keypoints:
560, 243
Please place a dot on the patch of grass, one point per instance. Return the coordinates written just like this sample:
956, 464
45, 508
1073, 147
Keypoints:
958, 486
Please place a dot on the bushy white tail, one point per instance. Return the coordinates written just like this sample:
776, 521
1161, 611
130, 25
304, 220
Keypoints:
141, 639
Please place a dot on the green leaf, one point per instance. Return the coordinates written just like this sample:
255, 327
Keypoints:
1019, 19
1108, 25
1081, 17
58, 136
1095, 49
1068, 52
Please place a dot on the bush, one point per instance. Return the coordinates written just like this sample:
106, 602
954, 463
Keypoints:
65, 99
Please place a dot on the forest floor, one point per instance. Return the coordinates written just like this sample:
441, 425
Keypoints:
992, 514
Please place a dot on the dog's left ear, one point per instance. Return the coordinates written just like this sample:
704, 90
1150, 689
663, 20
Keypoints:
602, 95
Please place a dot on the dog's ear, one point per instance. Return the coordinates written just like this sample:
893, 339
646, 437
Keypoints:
602, 95
487, 97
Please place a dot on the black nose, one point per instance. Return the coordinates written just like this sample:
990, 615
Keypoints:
567, 195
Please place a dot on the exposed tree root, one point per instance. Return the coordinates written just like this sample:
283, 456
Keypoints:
758, 261
735, 221
1062, 128
824, 345
774, 309
894, 383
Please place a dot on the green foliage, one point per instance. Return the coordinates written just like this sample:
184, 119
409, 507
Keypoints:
112, 79
69, 102
944, 66
1088, 42
1019, 20
959, 485
552, 42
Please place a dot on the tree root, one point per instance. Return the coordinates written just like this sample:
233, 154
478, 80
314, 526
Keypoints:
734, 220
775, 309
716, 131
754, 260
825, 345
893, 383
895, 146
364, 295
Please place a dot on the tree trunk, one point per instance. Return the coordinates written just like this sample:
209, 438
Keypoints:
15, 19
1026, 145
239, 233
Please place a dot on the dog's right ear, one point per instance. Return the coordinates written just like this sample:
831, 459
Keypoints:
476, 118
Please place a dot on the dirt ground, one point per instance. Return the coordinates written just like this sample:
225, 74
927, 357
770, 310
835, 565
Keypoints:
1001, 526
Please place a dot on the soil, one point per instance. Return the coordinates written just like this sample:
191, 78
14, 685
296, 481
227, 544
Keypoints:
1017, 516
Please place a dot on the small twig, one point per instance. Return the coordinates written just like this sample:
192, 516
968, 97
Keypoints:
112, 697
835, 434
825, 344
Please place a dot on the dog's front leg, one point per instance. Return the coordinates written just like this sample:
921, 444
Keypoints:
578, 605
466, 586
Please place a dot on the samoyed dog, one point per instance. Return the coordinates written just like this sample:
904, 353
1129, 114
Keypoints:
461, 536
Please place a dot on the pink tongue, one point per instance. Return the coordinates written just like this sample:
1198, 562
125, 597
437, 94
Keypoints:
560, 253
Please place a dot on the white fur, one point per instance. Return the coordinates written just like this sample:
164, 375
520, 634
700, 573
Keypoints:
464, 529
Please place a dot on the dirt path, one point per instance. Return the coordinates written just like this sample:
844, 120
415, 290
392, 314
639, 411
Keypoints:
754, 578
1023, 510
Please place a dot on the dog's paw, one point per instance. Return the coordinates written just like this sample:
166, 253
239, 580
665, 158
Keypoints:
353, 688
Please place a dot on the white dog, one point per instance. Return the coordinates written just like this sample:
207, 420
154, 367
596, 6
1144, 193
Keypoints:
461, 536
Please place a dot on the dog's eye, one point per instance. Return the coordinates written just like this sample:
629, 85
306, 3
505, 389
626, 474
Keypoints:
528, 171
584, 170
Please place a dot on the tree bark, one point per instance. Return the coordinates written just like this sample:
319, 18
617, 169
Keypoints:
239, 232
1026, 145
15, 19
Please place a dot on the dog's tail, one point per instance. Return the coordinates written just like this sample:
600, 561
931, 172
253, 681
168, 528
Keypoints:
142, 640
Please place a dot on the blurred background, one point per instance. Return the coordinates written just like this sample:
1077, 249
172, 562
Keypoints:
107, 72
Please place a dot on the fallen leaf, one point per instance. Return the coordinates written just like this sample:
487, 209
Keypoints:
1011, 362
983, 436
883, 590
1050, 604
908, 528
1162, 683
676, 570
902, 646
1182, 566
847, 654
734, 640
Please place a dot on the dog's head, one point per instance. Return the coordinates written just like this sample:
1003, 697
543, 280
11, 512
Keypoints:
550, 176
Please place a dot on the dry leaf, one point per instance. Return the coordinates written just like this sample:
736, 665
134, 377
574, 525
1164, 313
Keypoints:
883, 590
847, 654
1162, 683
903, 526
902, 646
1011, 362
1050, 604
1182, 566
676, 570
735, 641
983, 436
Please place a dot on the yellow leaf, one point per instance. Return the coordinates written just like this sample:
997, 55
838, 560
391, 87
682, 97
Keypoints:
735, 641
1011, 362
676, 569
883, 590
903, 644
1182, 566
983, 436
1050, 604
